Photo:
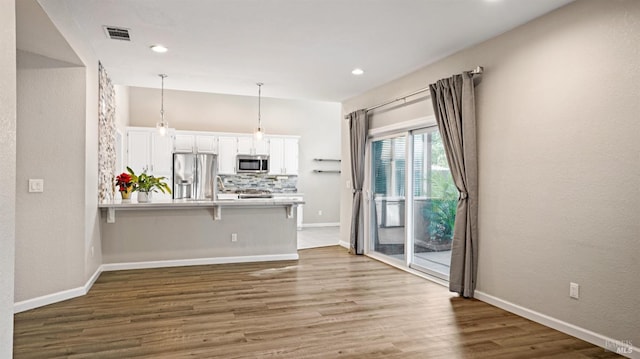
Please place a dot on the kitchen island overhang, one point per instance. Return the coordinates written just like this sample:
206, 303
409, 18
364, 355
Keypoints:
184, 232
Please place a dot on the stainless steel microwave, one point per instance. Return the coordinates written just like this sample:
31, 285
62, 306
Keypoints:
252, 164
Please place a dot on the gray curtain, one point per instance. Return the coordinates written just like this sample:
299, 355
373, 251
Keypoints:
454, 107
358, 128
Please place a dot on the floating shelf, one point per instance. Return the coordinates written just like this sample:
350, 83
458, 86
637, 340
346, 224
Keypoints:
327, 171
327, 160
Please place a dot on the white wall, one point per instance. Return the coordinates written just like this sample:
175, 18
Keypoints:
122, 108
59, 229
50, 130
317, 124
559, 162
7, 172
59, 16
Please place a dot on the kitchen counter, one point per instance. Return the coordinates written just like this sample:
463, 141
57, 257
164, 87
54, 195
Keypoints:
186, 232
288, 202
186, 203
296, 195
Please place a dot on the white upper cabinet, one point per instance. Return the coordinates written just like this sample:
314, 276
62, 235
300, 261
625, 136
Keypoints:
261, 146
248, 145
227, 151
149, 152
291, 156
188, 141
283, 155
245, 145
161, 155
184, 143
276, 156
138, 150
206, 144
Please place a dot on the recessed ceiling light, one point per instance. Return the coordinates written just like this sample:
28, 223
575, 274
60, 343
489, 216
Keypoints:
357, 72
159, 49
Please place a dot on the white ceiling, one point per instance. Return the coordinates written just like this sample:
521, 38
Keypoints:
303, 49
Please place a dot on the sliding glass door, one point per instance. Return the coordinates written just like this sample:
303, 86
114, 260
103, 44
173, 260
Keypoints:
435, 198
413, 201
388, 192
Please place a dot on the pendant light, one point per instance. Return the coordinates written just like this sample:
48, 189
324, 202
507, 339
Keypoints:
259, 132
163, 125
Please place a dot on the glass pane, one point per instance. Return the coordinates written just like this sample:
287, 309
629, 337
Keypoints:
434, 205
388, 205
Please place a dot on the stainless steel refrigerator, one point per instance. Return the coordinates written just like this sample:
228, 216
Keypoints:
194, 176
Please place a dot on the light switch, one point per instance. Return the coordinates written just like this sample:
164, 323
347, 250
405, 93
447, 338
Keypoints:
574, 290
36, 185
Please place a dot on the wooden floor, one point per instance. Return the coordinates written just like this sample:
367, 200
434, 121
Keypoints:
326, 305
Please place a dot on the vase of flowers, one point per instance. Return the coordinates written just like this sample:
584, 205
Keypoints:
125, 185
145, 184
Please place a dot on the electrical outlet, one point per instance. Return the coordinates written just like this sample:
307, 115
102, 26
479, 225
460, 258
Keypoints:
234, 237
36, 185
574, 290
320, 213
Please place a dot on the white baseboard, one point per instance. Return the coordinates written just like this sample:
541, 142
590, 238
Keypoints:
344, 244
614, 345
316, 225
58, 296
92, 279
198, 261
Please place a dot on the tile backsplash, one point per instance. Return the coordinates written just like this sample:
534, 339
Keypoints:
276, 184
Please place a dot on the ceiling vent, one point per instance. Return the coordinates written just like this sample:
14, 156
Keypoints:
117, 33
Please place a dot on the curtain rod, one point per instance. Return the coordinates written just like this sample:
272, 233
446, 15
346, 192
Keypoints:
477, 71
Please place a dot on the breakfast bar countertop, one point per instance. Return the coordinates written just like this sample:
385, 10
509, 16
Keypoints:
289, 203
181, 203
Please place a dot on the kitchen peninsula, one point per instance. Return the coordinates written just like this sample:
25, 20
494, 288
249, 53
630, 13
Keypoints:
167, 233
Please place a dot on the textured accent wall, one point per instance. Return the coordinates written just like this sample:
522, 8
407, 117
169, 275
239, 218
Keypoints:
107, 136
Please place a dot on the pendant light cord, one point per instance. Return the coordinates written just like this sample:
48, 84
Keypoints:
162, 98
259, 98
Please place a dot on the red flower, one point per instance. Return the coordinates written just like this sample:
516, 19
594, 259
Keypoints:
123, 181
